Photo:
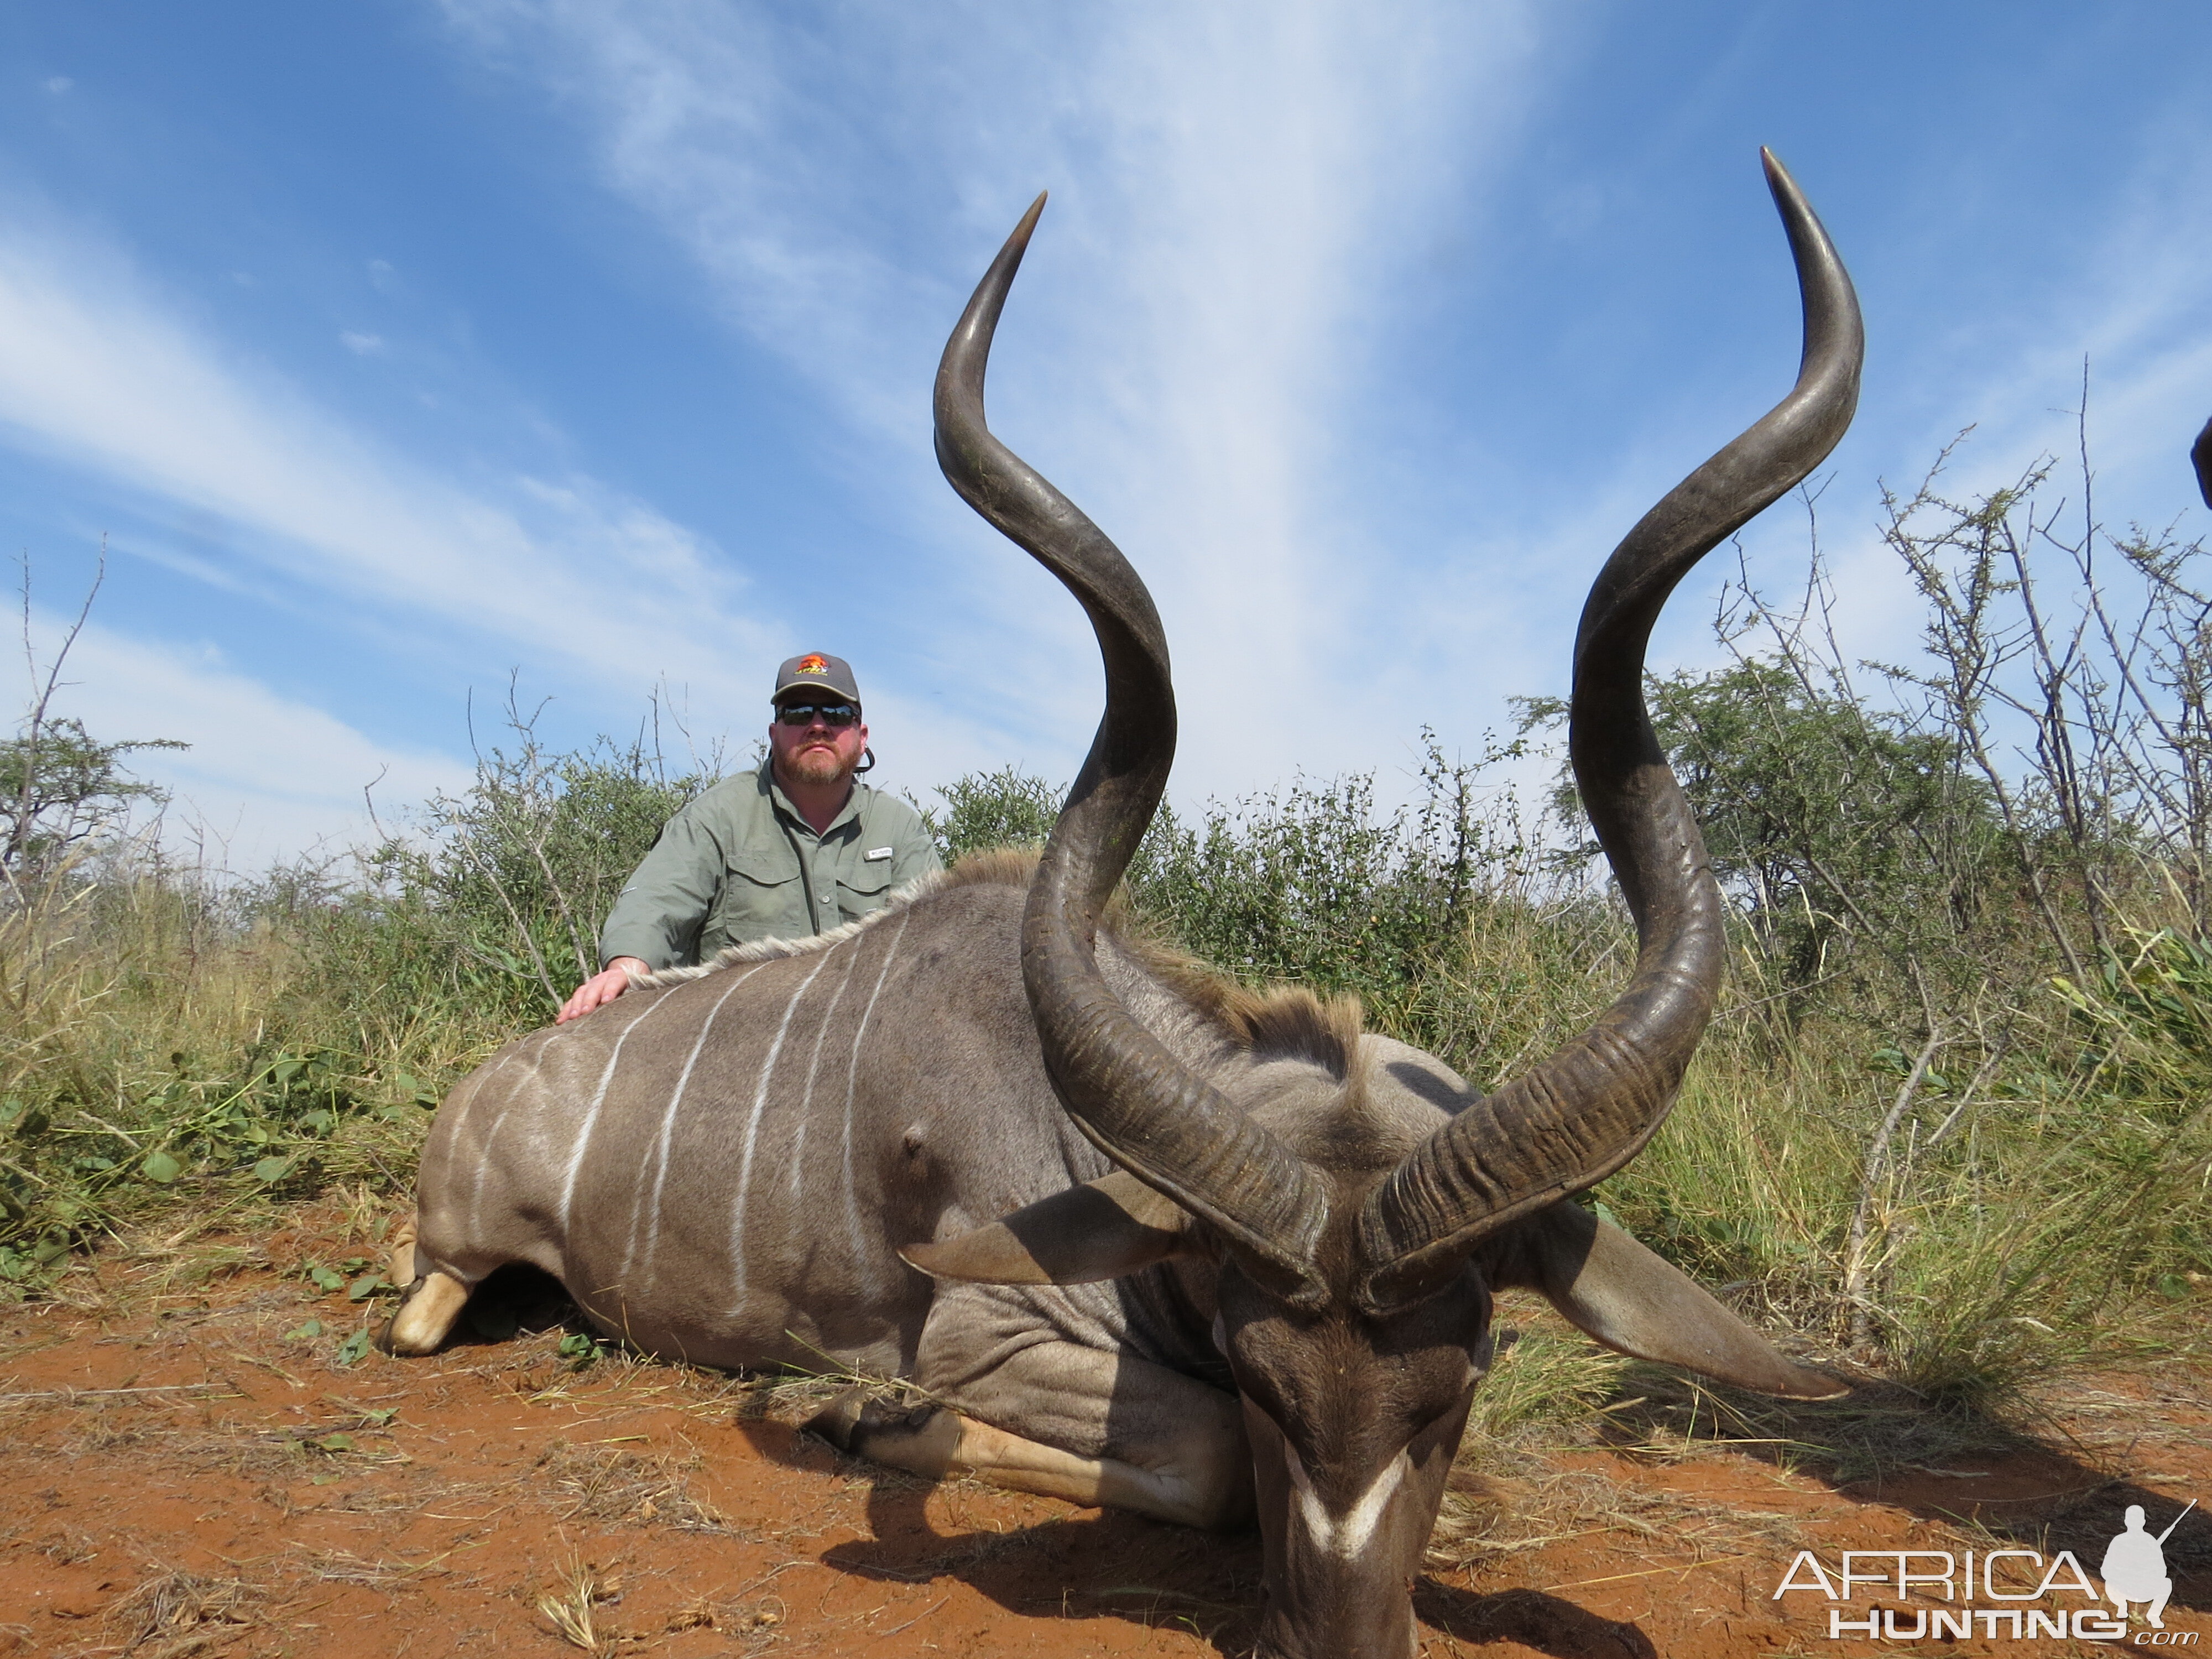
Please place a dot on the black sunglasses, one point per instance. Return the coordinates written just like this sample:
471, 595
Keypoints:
836, 715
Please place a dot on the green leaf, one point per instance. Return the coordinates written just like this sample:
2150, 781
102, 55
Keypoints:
333, 1442
582, 1348
160, 1168
353, 1350
305, 1333
367, 1285
325, 1279
270, 1170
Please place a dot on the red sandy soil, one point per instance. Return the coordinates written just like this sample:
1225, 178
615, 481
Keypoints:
169, 1486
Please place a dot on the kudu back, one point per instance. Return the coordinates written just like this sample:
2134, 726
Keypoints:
1150, 1238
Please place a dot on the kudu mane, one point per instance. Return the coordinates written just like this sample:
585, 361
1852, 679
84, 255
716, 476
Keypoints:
1277, 1023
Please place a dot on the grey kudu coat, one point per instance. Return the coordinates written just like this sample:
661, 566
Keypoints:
725, 1167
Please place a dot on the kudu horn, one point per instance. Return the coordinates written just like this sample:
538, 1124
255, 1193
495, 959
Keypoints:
1123, 1089
1588, 1109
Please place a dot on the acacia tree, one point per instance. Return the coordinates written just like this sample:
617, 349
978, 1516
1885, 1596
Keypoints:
1856, 849
61, 788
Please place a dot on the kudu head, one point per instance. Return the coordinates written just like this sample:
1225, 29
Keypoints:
1358, 1222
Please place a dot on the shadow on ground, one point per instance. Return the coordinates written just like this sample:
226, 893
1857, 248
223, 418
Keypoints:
1885, 1444
1882, 1445
1114, 1565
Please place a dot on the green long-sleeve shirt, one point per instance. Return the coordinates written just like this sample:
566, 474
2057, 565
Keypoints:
741, 864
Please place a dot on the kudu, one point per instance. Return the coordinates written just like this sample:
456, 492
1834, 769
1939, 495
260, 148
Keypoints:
1246, 1252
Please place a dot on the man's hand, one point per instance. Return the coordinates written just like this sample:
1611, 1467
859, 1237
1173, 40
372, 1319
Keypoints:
610, 982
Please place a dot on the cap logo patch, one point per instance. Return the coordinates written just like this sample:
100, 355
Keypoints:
814, 664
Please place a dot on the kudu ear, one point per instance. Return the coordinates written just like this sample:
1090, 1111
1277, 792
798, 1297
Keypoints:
1102, 1229
1609, 1286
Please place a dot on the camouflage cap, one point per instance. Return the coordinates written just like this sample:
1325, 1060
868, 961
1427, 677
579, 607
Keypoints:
819, 670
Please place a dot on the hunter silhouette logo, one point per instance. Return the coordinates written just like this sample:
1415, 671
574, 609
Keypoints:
2134, 1567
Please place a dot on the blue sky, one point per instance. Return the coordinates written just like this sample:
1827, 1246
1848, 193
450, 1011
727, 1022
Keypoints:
401, 350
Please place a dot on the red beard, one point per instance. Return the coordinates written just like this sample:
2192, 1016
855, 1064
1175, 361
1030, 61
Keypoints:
815, 765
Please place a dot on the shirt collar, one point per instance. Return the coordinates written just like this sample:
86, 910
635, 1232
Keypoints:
846, 814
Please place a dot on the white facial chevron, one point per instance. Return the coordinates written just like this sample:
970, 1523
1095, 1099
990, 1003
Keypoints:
1346, 1535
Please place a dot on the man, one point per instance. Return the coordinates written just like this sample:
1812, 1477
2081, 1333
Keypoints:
798, 846
2134, 1568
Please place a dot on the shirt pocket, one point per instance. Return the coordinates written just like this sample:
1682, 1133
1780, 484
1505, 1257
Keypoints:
760, 899
862, 890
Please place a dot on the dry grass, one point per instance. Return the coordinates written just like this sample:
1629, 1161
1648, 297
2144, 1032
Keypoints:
611, 1485
176, 1614
572, 1609
1878, 1428
752, 1628
1552, 1394
1486, 1517
1547, 1381
69, 1546
343, 1567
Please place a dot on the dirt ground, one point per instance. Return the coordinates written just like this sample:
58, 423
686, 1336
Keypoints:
188, 1466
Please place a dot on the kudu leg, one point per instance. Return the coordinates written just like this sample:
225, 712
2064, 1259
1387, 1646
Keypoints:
426, 1318
933, 1441
400, 1269
432, 1305
1149, 1439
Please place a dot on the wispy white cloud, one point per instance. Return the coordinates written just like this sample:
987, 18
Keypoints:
266, 777
559, 573
362, 345
1181, 356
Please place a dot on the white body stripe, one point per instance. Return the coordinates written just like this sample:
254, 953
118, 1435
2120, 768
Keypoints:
1346, 1536
813, 1065
861, 1257
652, 1206
482, 1160
484, 1168
591, 1117
752, 1136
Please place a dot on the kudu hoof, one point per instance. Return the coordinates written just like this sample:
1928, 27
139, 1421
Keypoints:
426, 1317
